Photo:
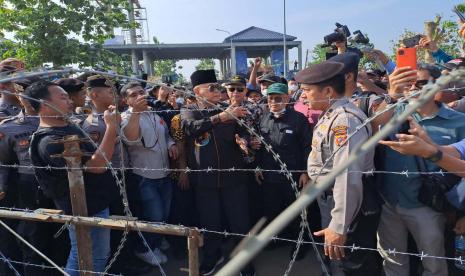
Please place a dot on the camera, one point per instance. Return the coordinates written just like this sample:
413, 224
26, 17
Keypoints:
153, 102
340, 34
359, 38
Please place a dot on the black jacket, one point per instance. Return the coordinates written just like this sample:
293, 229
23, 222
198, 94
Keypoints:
290, 136
212, 146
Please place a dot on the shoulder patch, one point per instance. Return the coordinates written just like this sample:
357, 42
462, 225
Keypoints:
340, 135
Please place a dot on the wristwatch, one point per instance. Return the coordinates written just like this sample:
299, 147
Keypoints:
437, 156
388, 99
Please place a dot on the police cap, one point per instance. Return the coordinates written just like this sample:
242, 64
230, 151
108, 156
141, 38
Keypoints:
319, 72
349, 59
70, 85
99, 81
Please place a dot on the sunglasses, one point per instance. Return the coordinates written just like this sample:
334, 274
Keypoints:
275, 99
420, 83
214, 88
238, 89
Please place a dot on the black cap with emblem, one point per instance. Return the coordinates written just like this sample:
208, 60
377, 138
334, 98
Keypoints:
319, 72
270, 77
99, 81
203, 76
236, 80
70, 85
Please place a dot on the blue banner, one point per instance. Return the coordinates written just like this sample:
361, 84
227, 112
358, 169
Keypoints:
241, 63
277, 62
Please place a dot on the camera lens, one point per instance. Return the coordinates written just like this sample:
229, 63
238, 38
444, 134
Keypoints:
401, 52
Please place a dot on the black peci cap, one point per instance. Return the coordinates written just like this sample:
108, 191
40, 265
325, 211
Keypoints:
203, 76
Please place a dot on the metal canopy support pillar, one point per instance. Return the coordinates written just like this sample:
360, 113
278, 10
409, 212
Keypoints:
233, 60
228, 66
222, 68
135, 62
146, 58
299, 56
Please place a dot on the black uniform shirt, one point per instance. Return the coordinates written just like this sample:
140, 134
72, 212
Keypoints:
290, 136
100, 188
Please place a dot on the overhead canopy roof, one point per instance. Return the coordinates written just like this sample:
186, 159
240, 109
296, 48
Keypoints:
255, 34
199, 50
256, 41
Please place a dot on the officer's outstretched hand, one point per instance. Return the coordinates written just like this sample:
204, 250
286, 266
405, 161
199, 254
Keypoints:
303, 180
333, 243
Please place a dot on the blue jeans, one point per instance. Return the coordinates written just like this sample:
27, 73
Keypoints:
100, 247
155, 196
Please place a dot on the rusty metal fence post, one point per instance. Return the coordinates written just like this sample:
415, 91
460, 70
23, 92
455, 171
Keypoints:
72, 155
194, 241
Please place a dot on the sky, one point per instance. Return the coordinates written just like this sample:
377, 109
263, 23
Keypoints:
192, 21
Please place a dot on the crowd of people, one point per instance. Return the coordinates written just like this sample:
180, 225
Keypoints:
188, 155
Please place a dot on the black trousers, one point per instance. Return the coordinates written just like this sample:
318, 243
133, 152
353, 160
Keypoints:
276, 198
39, 234
8, 244
221, 209
362, 233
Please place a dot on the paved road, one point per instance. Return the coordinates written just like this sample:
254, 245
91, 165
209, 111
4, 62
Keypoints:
268, 263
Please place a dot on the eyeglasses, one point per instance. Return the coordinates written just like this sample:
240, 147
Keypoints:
238, 89
420, 83
275, 99
214, 88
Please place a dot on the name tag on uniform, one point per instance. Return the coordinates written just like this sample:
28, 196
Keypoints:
288, 131
446, 137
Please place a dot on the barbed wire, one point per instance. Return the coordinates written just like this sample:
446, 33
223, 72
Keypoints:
121, 184
8, 262
241, 122
227, 234
187, 170
43, 266
32, 247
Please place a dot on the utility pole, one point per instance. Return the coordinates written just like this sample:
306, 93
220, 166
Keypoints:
72, 155
284, 44
132, 35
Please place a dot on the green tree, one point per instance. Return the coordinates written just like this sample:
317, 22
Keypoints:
318, 54
443, 32
62, 32
163, 67
205, 64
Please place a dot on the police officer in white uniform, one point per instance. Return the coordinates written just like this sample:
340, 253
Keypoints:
342, 206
